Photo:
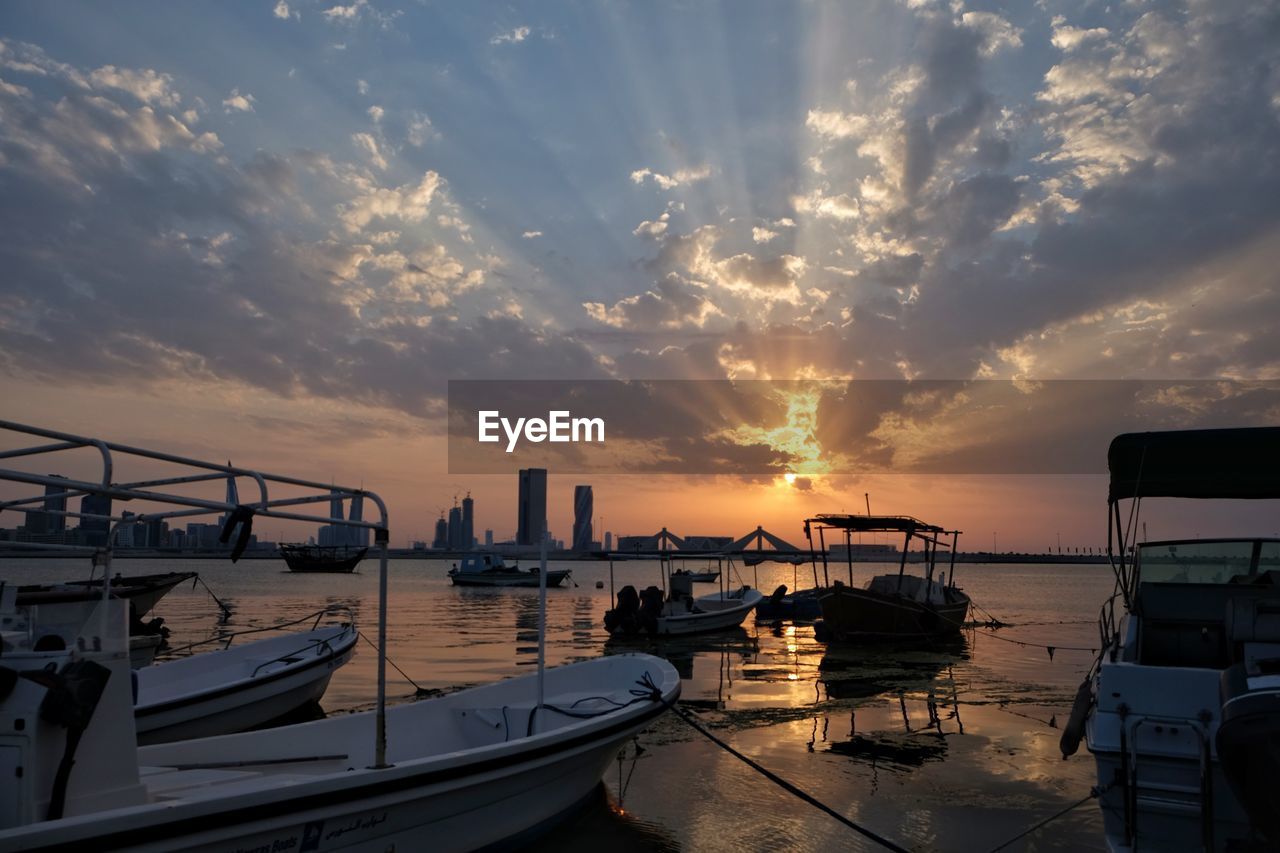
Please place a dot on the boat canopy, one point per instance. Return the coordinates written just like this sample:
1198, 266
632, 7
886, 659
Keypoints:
1200, 463
876, 523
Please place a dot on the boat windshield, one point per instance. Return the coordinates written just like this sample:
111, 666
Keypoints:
1207, 561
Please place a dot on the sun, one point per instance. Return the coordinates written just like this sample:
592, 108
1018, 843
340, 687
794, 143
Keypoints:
790, 477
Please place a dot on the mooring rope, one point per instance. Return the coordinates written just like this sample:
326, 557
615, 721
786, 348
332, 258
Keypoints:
418, 690
787, 786
1093, 795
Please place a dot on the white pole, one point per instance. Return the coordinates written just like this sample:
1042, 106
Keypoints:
382, 537
542, 621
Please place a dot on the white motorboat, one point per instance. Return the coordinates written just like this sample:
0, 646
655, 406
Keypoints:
236, 688
1182, 712
492, 570
478, 768
652, 613
466, 770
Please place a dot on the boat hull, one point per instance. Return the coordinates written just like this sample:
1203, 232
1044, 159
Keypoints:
555, 577
451, 802
143, 592
243, 704
719, 612
306, 560
853, 614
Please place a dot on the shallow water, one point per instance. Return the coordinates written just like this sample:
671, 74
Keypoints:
938, 747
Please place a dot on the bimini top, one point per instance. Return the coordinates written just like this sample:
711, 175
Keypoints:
876, 523
1196, 463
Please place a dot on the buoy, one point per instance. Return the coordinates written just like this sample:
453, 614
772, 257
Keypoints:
599, 584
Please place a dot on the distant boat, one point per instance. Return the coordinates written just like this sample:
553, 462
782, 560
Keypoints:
700, 577
492, 570
331, 559
783, 604
141, 591
237, 688
893, 606
679, 613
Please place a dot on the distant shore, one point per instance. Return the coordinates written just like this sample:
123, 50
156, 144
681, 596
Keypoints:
532, 554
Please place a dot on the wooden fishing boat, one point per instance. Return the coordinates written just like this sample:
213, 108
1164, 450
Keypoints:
327, 559
891, 606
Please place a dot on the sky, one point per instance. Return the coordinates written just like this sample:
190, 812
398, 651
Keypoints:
275, 230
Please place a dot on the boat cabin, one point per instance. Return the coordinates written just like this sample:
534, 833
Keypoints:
483, 563
1198, 601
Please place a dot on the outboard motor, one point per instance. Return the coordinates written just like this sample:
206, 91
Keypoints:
624, 617
650, 609
1249, 735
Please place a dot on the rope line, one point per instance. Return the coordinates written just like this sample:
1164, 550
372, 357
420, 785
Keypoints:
417, 688
1093, 795
788, 786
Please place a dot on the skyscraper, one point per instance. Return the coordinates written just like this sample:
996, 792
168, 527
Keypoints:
608, 540
468, 523
455, 528
47, 520
532, 519
441, 540
583, 510
356, 535
94, 530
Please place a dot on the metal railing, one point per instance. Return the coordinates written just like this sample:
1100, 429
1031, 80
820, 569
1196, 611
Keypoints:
172, 505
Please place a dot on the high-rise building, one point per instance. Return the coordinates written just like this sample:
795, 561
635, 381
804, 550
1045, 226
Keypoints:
532, 519
455, 529
54, 507
94, 530
441, 540
488, 538
468, 523
608, 540
48, 520
353, 535
583, 511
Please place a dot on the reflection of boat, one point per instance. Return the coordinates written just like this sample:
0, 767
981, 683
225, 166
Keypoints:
141, 591
492, 570
681, 650
679, 612
1183, 712
239, 687
862, 674
897, 606
328, 559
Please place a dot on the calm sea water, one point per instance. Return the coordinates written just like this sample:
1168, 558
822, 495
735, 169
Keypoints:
937, 748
